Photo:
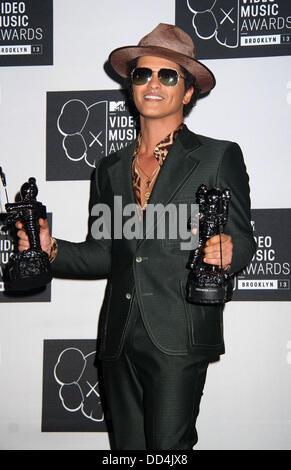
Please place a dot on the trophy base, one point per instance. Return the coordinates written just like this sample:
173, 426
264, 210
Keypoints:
28, 270
209, 295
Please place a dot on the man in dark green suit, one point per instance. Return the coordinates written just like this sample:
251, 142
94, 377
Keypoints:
155, 346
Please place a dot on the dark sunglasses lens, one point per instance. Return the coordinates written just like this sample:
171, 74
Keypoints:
168, 77
141, 76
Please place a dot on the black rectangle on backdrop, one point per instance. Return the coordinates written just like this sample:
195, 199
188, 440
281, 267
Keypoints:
26, 33
224, 29
71, 389
82, 127
267, 277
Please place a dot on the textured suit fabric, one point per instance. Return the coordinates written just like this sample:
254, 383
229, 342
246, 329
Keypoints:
153, 397
155, 268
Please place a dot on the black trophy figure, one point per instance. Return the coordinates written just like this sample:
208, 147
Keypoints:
209, 284
30, 269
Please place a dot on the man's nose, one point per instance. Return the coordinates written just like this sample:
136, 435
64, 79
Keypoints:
154, 81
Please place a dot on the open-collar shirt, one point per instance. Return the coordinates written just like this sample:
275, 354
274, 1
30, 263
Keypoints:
160, 153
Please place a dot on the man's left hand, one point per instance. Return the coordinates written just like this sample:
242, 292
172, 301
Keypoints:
212, 250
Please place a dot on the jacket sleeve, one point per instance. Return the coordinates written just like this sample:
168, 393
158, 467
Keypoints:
90, 259
232, 174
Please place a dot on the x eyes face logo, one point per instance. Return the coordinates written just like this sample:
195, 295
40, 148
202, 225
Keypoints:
88, 131
236, 28
216, 18
83, 128
75, 373
92, 389
227, 16
95, 139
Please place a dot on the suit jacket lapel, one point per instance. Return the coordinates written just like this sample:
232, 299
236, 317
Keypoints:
177, 168
121, 175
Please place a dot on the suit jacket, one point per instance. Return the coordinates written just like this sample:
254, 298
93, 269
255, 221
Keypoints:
154, 269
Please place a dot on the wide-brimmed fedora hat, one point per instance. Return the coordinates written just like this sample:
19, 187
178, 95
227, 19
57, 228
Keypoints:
169, 42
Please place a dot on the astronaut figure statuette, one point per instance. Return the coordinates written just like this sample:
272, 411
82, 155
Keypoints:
31, 268
209, 284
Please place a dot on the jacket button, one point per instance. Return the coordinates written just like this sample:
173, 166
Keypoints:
138, 259
128, 295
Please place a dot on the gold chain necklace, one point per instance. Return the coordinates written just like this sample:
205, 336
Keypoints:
149, 181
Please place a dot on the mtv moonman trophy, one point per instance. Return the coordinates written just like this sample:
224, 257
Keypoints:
30, 269
209, 284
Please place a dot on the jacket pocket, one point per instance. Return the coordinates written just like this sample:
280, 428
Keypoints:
177, 234
205, 322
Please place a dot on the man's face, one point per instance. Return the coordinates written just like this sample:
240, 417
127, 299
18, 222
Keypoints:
156, 101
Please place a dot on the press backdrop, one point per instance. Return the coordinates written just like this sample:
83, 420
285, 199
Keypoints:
61, 110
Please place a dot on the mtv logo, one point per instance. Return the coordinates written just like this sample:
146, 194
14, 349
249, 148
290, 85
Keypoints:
116, 106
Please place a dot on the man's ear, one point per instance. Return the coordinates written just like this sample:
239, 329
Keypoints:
188, 95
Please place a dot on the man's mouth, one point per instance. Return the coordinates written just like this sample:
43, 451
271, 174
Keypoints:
153, 97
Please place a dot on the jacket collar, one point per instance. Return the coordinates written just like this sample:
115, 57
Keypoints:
181, 161
177, 167
178, 164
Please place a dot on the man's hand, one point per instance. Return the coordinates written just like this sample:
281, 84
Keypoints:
44, 235
212, 250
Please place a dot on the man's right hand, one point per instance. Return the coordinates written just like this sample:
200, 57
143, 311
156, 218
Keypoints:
44, 235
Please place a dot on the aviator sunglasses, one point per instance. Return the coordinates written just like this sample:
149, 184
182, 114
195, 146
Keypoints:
167, 77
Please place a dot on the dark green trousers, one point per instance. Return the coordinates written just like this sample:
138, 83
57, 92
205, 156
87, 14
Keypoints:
153, 398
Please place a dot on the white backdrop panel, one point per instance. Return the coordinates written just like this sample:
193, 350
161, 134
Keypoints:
246, 401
